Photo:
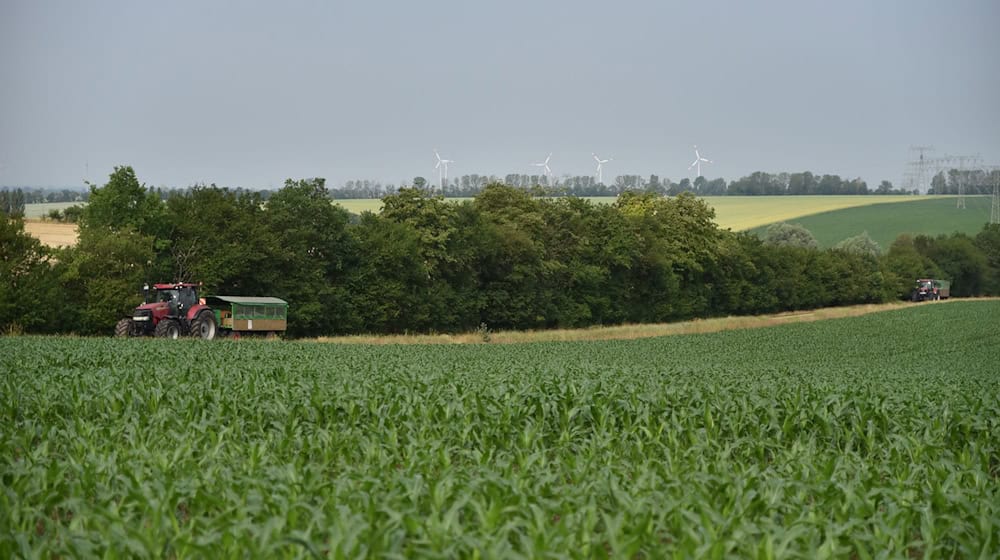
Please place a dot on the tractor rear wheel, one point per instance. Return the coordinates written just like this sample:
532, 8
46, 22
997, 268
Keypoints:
124, 327
167, 328
204, 326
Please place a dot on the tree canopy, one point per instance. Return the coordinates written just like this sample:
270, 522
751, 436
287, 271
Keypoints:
510, 258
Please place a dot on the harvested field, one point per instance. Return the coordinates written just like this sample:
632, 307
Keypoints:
52, 234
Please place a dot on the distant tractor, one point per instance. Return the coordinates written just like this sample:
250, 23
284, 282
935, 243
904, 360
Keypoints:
928, 289
175, 310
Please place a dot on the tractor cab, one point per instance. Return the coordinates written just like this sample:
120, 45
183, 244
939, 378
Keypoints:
178, 297
167, 292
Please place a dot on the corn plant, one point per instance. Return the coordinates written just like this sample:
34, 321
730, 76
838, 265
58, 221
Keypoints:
862, 437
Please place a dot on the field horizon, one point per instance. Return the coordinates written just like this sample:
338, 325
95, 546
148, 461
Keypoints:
738, 213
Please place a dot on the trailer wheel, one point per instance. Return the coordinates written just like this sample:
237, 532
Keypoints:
204, 326
123, 328
167, 328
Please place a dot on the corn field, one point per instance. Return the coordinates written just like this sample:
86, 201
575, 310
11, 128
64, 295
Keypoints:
869, 437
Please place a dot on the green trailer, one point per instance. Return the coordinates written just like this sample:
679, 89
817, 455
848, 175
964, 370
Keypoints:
249, 315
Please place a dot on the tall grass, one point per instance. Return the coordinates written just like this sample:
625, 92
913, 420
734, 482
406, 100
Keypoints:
620, 332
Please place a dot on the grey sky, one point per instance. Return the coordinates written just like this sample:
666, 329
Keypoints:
251, 93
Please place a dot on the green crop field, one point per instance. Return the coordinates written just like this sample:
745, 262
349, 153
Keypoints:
42, 209
869, 437
928, 216
745, 212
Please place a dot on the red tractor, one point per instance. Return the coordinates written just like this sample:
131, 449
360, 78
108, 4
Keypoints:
170, 311
928, 289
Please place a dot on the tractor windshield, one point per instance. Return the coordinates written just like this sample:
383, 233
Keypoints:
166, 295
188, 297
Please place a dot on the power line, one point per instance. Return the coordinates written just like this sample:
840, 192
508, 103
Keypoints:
916, 176
993, 171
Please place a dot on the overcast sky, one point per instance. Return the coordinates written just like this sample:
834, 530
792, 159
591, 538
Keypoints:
251, 93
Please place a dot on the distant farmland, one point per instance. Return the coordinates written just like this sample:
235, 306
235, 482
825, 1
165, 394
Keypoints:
53, 234
927, 216
42, 209
745, 212
732, 212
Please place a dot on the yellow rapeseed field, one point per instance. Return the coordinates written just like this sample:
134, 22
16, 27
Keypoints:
747, 212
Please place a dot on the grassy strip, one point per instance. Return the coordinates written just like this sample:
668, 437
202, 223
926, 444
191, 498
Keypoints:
622, 332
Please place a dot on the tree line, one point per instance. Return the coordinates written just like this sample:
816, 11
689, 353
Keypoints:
41, 196
971, 181
506, 259
759, 183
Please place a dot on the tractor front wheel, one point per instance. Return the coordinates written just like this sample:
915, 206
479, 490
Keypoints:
123, 327
167, 328
204, 326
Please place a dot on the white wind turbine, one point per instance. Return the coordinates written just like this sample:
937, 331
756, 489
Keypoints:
442, 167
600, 167
697, 161
545, 166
